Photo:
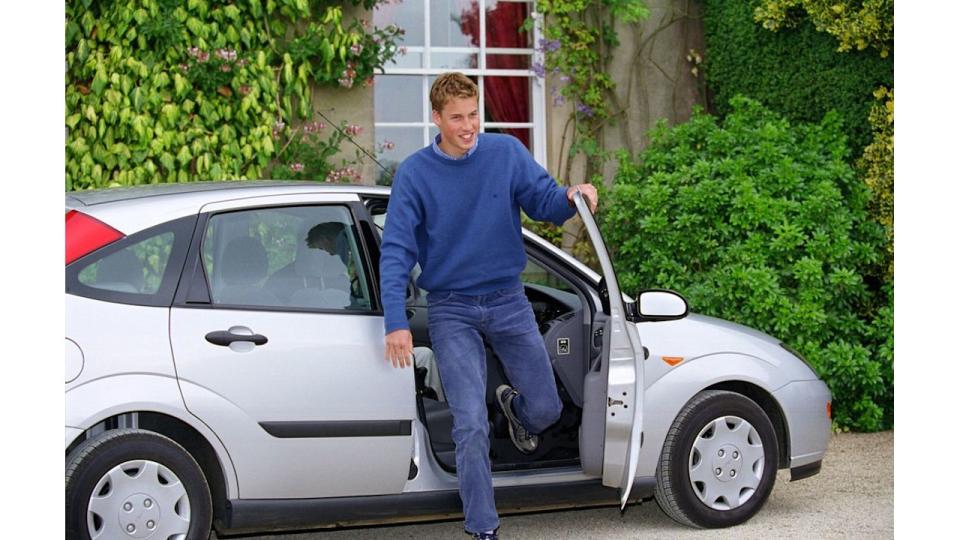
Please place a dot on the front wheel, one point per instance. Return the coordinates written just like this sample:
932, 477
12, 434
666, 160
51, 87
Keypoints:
131, 483
719, 461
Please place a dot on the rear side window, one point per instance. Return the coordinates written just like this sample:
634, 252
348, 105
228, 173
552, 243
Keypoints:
137, 269
141, 269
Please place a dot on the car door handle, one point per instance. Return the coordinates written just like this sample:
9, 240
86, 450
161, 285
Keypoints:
224, 338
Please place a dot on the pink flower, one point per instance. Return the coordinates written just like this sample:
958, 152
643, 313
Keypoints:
203, 56
356, 49
227, 54
353, 130
244, 89
297, 167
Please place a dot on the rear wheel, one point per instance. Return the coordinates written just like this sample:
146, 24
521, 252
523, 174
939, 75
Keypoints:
719, 461
131, 483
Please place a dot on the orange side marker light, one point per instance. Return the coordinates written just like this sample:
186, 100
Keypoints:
672, 360
829, 410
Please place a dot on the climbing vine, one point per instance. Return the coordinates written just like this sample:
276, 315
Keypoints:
171, 91
579, 39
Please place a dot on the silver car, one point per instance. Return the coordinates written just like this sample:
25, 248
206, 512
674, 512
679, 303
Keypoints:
225, 368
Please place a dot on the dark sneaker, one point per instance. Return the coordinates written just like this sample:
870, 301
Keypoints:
525, 441
487, 535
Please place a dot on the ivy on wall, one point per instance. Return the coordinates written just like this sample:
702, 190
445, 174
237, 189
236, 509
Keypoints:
170, 91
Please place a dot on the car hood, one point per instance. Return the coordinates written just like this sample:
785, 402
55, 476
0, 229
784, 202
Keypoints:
697, 337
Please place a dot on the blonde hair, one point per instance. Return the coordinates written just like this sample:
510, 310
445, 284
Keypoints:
451, 85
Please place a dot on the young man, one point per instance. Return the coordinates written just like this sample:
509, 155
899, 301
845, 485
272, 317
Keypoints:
455, 209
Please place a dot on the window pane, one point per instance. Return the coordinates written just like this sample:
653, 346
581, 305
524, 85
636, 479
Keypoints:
507, 99
136, 269
303, 257
395, 144
508, 61
398, 98
406, 60
454, 60
407, 15
503, 24
454, 23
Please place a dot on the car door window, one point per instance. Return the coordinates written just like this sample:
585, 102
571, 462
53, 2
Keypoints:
305, 257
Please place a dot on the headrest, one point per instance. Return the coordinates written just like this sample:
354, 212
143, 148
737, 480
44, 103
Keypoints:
244, 262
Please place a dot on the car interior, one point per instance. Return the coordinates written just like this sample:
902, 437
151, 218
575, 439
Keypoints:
564, 316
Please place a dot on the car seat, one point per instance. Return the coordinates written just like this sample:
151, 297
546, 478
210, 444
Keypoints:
243, 267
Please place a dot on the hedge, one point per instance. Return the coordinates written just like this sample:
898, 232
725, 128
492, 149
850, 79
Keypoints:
794, 71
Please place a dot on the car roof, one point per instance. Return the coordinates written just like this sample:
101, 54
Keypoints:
131, 209
214, 190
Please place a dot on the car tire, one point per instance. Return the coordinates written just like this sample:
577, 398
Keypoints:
132, 483
719, 461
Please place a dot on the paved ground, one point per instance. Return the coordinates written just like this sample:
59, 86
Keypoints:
852, 497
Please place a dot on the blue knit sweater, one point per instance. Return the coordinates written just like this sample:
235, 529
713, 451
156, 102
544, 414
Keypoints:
460, 219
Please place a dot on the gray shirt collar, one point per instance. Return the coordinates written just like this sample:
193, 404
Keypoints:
441, 153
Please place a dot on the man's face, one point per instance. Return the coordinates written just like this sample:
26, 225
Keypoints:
459, 123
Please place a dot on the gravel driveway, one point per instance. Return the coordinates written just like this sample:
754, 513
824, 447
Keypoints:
852, 497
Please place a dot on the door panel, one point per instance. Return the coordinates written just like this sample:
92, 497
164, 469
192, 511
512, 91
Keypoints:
319, 369
285, 360
623, 365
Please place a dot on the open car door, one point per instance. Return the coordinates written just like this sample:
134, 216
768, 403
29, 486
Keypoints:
622, 355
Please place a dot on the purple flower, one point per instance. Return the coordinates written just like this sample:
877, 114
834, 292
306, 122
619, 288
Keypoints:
558, 100
584, 109
549, 45
538, 69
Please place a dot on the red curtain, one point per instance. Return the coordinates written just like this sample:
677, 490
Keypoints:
507, 99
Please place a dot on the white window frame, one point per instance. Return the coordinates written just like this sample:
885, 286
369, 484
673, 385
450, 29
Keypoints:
537, 124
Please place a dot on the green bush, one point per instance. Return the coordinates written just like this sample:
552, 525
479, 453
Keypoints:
794, 71
763, 222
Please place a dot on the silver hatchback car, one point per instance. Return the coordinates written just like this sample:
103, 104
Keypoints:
225, 368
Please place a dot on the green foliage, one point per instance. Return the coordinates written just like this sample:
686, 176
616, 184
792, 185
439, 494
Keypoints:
795, 71
308, 154
857, 24
763, 222
876, 168
170, 91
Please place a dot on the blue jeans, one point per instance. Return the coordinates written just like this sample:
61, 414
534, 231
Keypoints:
456, 323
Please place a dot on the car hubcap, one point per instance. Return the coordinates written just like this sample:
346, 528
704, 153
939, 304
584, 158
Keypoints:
726, 463
139, 499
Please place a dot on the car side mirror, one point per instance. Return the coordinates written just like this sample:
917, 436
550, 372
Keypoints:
661, 305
